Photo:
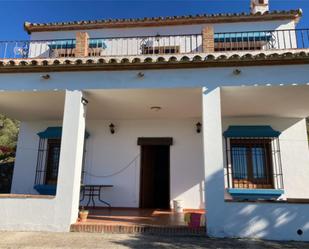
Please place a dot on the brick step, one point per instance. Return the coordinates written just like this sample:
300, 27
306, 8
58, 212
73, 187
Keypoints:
138, 229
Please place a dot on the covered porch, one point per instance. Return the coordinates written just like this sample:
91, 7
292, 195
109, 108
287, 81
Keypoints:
144, 120
121, 126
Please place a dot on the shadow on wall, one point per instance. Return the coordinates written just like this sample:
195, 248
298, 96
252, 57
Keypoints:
273, 221
152, 241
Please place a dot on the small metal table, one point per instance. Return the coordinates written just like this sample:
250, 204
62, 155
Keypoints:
91, 191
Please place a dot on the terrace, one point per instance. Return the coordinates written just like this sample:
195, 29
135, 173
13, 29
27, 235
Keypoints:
206, 42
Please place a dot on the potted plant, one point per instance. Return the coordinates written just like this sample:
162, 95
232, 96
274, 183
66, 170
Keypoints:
83, 214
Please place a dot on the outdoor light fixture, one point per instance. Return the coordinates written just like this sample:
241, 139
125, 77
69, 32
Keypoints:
84, 101
156, 108
140, 74
45, 76
198, 127
158, 37
112, 128
237, 72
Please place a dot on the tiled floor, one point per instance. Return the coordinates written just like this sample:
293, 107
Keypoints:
133, 220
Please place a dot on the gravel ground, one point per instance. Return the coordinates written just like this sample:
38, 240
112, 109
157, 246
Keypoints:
120, 241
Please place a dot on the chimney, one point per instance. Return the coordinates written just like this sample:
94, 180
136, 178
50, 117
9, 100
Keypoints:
261, 6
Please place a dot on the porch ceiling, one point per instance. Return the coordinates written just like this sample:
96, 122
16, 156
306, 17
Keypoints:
137, 103
32, 105
279, 101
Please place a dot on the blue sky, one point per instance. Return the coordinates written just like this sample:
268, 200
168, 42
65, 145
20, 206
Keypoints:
15, 12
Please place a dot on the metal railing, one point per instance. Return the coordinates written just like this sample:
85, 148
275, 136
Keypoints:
37, 49
262, 40
155, 45
147, 45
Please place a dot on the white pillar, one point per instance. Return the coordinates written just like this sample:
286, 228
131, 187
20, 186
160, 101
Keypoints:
213, 159
71, 155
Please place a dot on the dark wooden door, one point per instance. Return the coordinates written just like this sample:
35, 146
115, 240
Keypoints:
155, 177
52, 164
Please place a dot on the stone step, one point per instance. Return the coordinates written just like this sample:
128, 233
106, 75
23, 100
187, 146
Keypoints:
138, 229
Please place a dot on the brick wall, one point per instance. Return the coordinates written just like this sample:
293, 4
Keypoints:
81, 49
208, 39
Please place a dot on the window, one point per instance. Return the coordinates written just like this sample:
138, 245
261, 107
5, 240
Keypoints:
251, 163
52, 162
253, 168
253, 158
47, 165
239, 41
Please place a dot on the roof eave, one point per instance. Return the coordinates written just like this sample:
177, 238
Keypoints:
168, 21
136, 63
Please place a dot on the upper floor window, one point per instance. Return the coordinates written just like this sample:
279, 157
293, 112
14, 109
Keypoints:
238, 41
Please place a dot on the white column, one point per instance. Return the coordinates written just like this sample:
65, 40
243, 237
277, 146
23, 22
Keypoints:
213, 159
71, 155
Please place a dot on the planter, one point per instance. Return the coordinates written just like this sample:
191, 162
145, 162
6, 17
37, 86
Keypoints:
83, 215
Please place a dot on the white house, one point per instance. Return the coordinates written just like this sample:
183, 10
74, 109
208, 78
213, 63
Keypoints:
206, 109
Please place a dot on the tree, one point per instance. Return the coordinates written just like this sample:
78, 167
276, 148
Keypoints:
9, 129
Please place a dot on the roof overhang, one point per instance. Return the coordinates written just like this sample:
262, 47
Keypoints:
105, 104
163, 21
281, 57
265, 101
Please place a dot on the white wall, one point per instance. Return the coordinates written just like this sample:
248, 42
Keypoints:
173, 78
107, 154
166, 30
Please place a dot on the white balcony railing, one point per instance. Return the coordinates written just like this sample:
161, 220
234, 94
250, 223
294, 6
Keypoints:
155, 45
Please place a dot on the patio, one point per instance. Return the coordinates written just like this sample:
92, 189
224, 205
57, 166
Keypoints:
135, 220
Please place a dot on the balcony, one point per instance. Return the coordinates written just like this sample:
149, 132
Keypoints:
157, 45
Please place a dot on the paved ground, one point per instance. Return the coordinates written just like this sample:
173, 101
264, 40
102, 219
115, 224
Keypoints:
121, 241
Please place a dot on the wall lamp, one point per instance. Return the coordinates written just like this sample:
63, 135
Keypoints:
45, 76
140, 74
198, 127
237, 72
84, 101
112, 128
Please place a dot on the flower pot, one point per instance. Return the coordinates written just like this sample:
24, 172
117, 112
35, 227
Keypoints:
83, 215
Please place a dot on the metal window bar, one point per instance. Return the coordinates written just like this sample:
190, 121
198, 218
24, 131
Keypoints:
253, 163
41, 165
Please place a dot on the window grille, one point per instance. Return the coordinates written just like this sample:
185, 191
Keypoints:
253, 163
48, 164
